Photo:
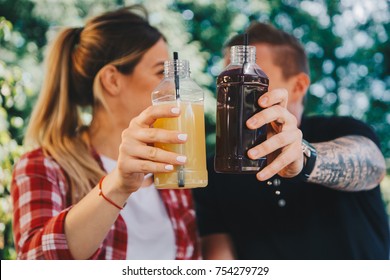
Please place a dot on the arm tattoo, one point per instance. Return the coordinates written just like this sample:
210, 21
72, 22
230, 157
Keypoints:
351, 163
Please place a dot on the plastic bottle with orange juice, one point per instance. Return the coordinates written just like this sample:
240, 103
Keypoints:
177, 87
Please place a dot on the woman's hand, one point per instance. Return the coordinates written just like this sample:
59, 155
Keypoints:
283, 144
138, 156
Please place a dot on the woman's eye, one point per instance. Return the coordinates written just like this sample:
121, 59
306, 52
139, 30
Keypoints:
160, 73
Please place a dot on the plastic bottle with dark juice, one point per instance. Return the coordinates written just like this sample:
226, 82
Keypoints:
239, 87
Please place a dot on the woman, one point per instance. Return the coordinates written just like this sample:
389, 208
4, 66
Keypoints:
65, 206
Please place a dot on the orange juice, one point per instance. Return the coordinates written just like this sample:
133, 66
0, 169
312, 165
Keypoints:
194, 173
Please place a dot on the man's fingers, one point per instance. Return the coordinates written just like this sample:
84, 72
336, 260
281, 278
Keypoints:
276, 114
276, 96
288, 156
274, 143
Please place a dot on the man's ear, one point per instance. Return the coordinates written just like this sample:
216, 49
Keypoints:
300, 86
226, 56
109, 78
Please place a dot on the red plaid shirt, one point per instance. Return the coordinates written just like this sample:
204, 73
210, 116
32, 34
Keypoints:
41, 200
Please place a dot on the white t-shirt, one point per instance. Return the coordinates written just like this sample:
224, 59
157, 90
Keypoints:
150, 234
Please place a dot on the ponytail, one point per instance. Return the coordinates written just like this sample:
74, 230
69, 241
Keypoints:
119, 38
56, 119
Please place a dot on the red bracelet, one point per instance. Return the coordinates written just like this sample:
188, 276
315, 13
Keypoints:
105, 197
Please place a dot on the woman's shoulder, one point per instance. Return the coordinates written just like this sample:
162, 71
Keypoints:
37, 163
36, 154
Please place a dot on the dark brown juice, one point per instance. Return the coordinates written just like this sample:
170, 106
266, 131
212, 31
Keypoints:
237, 95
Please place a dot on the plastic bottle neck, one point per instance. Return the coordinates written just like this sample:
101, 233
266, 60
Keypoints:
182, 68
240, 54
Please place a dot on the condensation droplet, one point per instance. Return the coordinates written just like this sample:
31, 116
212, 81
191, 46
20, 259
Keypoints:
277, 182
281, 202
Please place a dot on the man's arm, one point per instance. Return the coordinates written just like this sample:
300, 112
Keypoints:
350, 163
218, 246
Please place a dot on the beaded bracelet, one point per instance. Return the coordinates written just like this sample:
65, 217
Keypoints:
105, 197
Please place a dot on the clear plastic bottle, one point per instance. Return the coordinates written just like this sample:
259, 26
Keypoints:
177, 87
239, 86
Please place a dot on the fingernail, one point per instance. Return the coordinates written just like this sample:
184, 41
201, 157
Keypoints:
169, 167
181, 159
175, 110
252, 122
253, 153
261, 176
263, 101
182, 137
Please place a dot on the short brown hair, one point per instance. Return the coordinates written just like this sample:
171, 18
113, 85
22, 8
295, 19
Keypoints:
288, 52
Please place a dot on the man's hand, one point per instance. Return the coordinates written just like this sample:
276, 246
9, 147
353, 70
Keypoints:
283, 144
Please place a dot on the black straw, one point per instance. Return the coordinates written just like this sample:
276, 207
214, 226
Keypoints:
180, 173
246, 47
175, 62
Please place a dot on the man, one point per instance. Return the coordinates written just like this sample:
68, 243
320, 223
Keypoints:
323, 204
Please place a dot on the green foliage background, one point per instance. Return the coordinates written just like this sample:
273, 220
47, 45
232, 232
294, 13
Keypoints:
347, 42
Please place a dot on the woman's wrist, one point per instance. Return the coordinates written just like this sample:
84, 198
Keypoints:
112, 191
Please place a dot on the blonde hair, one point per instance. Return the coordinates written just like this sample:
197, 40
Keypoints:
119, 38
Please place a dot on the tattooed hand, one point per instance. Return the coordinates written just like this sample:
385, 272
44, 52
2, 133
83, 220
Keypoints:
350, 163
